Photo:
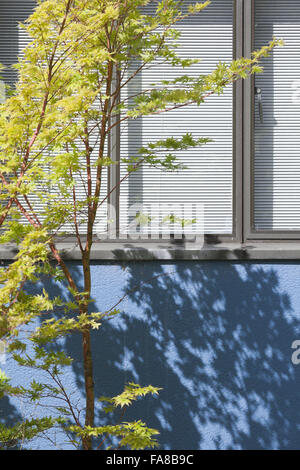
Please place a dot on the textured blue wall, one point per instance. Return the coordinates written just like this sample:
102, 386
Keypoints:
215, 336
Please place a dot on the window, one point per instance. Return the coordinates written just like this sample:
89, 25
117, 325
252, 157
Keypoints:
248, 179
208, 178
274, 137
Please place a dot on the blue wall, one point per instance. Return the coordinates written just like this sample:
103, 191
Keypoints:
216, 336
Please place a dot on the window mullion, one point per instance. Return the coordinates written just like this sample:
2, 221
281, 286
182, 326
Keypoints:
114, 169
248, 120
238, 123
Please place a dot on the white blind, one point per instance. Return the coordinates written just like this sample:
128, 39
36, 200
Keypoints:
277, 136
208, 179
13, 40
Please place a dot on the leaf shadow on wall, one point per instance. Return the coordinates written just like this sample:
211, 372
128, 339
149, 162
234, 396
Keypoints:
217, 338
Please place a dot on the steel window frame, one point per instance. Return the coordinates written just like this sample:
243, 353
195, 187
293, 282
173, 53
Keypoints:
250, 232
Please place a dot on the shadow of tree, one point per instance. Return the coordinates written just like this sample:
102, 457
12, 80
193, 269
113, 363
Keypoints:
216, 336
8, 413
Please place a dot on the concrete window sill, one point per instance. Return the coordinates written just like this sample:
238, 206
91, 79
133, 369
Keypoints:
163, 251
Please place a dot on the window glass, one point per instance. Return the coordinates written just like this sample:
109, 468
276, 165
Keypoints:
208, 179
277, 119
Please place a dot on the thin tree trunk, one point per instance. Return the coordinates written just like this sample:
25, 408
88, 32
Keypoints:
87, 356
89, 385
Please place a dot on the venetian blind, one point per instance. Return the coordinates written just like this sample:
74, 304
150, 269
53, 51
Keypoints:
13, 40
277, 123
208, 179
